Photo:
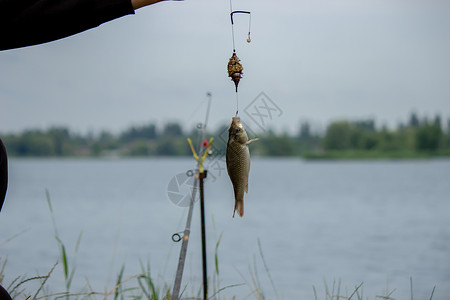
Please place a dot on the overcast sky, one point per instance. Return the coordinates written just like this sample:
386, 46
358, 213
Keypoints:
317, 60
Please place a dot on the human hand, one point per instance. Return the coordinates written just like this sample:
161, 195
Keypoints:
141, 3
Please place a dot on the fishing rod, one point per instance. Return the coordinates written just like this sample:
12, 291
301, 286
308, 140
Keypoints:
184, 245
202, 173
202, 176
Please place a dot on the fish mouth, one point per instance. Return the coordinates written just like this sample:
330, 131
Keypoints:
236, 122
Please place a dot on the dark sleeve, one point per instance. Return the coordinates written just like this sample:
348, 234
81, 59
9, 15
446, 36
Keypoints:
31, 22
3, 174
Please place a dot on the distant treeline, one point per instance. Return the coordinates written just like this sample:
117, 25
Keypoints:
341, 139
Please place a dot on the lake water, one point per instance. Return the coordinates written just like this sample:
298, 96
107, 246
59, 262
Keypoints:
379, 223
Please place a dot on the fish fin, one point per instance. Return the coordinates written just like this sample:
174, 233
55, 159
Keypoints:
251, 141
239, 207
246, 181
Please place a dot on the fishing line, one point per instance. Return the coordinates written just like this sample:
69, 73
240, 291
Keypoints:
234, 51
232, 27
249, 25
234, 66
237, 104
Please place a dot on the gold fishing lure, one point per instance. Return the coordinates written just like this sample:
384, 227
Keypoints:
235, 69
234, 66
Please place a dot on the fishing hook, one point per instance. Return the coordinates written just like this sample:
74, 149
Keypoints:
249, 23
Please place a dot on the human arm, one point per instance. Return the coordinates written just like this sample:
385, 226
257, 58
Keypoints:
3, 175
30, 22
141, 3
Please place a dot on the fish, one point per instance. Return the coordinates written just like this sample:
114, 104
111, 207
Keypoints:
238, 162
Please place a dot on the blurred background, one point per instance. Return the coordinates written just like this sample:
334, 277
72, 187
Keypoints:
348, 181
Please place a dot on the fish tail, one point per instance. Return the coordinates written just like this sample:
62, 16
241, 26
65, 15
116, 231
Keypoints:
239, 207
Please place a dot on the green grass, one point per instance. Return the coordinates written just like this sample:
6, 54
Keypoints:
143, 286
137, 287
335, 292
69, 270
